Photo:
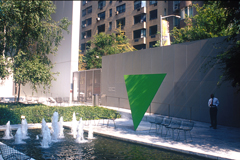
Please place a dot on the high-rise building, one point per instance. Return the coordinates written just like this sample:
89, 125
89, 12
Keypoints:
140, 20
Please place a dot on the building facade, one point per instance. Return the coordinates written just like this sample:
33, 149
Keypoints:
138, 19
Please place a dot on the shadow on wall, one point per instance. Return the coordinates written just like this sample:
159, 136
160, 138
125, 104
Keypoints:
185, 91
195, 78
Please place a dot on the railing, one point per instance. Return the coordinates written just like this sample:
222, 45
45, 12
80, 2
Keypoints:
150, 107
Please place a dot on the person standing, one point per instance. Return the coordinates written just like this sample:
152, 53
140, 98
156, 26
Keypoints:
213, 103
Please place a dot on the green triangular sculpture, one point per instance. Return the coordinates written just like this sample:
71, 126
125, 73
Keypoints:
141, 90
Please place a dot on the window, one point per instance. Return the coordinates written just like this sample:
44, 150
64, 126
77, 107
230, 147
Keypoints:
83, 12
176, 5
139, 4
121, 8
89, 9
190, 11
153, 14
176, 21
110, 12
84, 23
186, 11
151, 44
165, 11
88, 45
101, 15
110, 26
120, 21
83, 35
139, 33
86, 34
152, 2
101, 28
140, 46
152, 30
101, 4
89, 21
140, 18
84, 2
83, 47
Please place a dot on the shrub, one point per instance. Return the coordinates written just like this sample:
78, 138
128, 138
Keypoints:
34, 113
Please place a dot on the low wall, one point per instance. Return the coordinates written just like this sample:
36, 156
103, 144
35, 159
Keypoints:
187, 86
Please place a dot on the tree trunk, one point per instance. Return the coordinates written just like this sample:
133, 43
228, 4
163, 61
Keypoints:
19, 85
15, 91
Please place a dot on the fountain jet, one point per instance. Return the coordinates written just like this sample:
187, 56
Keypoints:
90, 131
74, 126
61, 134
80, 137
46, 141
18, 136
8, 131
55, 126
24, 127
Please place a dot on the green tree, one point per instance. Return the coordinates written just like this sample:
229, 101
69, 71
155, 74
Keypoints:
229, 60
207, 23
106, 44
28, 35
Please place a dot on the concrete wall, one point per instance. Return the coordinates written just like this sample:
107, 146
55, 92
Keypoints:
186, 88
66, 60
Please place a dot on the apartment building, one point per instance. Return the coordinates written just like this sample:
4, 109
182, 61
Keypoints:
140, 20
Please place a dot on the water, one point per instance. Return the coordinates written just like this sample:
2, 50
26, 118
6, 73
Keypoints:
90, 131
19, 136
99, 148
55, 127
24, 127
61, 134
46, 140
74, 126
8, 131
80, 133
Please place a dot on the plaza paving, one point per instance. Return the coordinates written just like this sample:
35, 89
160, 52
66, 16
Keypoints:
220, 143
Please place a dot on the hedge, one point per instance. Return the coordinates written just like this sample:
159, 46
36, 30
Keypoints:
34, 113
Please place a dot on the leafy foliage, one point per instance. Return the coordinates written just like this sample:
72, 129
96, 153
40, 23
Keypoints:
27, 36
106, 44
205, 24
35, 113
229, 60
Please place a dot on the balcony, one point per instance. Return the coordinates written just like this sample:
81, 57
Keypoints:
140, 11
138, 41
140, 25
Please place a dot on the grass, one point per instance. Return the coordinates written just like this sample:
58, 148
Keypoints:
34, 113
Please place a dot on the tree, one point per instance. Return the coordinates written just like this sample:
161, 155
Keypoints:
229, 60
28, 35
106, 44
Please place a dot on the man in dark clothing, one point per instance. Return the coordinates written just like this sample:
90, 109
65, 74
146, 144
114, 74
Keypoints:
213, 103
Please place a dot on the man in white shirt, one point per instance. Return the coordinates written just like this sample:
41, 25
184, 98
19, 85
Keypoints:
213, 103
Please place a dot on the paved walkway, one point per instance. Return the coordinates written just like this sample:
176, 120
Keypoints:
222, 143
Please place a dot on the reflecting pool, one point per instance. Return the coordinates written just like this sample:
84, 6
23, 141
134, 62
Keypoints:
99, 148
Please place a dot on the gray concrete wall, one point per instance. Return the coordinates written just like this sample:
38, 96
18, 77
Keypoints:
186, 88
